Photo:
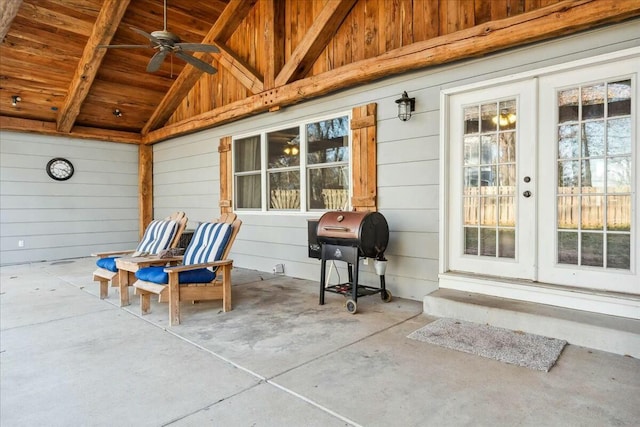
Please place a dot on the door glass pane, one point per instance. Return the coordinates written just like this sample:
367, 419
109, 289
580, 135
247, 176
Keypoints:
490, 182
618, 250
595, 175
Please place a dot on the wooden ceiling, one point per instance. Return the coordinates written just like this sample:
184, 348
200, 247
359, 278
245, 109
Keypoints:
274, 53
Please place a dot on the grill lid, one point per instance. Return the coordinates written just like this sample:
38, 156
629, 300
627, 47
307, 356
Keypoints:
368, 231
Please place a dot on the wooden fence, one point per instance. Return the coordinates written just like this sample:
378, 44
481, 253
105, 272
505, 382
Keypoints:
493, 206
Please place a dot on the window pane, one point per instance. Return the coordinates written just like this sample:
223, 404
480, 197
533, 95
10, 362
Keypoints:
507, 211
508, 147
507, 117
568, 142
470, 241
568, 174
568, 105
471, 120
619, 175
471, 150
592, 212
619, 136
247, 154
284, 190
507, 243
328, 141
568, 212
489, 154
283, 148
329, 188
488, 242
593, 175
592, 250
619, 213
488, 211
619, 98
593, 138
619, 251
248, 192
593, 101
471, 211
568, 248
489, 117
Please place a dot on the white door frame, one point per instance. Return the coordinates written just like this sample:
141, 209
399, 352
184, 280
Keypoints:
618, 304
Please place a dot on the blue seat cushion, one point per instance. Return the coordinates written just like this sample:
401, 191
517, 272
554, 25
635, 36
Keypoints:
157, 275
108, 263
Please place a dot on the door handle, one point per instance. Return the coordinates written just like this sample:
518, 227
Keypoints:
527, 194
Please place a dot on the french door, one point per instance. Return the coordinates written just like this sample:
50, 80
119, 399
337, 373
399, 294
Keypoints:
543, 179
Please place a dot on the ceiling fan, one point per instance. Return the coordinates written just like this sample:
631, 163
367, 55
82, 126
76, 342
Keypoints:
165, 43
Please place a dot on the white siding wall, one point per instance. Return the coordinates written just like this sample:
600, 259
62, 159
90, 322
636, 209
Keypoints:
95, 210
186, 168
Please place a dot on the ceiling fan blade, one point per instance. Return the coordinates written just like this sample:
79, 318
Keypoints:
201, 65
125, 46
156, 60
197, 47
145, 34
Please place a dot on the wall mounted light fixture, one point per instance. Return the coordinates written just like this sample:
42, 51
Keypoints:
406, 106
117, 113
15, 99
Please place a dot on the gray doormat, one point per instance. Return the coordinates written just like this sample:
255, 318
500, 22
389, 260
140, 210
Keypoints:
518, 348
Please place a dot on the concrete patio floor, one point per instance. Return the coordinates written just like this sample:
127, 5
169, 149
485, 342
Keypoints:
68, 358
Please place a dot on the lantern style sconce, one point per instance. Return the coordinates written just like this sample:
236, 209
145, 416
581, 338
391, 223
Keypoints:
406, 106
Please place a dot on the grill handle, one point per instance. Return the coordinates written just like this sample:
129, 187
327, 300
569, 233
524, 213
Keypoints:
335, 228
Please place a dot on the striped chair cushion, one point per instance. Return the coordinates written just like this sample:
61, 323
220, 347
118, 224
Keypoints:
158, 236
208, 243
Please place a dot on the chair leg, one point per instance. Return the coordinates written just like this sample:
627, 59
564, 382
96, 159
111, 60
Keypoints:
145, 302
174, 299
104, 289
226, 287
123, 285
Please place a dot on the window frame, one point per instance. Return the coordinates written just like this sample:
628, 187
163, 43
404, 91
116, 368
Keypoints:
304, 167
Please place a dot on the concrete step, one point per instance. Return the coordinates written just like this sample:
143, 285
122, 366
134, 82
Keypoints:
612, 334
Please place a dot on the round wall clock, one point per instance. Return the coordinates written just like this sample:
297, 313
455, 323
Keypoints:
59, 169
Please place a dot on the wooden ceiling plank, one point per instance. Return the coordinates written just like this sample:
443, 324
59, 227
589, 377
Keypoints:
8, 11
313, 43
81, 132
223, 28
103, 30
546, 23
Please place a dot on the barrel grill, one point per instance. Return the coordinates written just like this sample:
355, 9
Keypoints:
349, 236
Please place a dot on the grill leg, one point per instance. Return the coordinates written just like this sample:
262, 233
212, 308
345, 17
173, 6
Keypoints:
323, 269
354, 286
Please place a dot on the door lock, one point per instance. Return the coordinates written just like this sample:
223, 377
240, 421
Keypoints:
527, 179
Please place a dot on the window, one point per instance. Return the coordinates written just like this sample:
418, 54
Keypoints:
337, 164
298, 168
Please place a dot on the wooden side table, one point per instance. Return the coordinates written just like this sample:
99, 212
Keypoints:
127, 268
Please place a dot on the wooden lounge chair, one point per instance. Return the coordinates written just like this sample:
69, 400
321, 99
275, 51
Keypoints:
205, 273
159, 235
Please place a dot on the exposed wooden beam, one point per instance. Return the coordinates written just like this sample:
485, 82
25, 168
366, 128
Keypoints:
145, 186
274, 24
224, 27
8, 11
245, 74
322, 30
81, 132
103, 30
549, 22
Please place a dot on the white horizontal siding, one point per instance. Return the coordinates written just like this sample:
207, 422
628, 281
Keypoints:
95, 210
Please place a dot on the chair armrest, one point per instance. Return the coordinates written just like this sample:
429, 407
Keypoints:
179, 268
111, 253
